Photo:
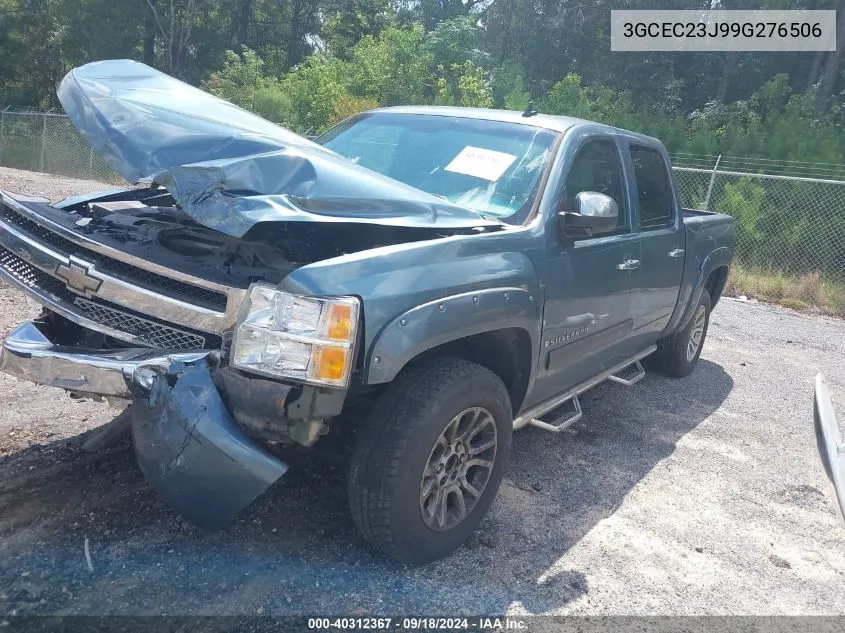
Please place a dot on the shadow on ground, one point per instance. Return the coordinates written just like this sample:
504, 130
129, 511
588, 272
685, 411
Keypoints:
296, 551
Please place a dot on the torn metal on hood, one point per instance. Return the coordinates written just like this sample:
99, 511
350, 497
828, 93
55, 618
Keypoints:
230, 169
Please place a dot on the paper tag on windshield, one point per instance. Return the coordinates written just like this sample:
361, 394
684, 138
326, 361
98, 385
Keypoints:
481, 163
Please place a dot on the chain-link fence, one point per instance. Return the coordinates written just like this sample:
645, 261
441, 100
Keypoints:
792, 224
790, 217
48, 142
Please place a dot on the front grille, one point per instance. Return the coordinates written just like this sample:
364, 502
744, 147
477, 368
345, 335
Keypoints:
152, 333
148, 331
28, 275
146, 279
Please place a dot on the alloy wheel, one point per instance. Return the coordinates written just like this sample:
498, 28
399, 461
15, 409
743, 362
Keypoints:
458, 468
696, 332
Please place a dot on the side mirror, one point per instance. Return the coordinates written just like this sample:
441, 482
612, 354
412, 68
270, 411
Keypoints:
594, 213
830, 443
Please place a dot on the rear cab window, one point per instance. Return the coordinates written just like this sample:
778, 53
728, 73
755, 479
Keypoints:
655, 203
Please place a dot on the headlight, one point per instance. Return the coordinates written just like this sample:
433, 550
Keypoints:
294, 336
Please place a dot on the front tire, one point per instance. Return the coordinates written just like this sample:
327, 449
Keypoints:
678, 354
430, 458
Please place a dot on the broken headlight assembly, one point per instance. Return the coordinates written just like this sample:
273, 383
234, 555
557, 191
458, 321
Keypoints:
286, 335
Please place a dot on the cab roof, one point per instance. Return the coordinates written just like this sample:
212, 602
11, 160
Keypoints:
554, 122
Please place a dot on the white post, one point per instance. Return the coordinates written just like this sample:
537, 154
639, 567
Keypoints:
43, 142
710, 186
2, 132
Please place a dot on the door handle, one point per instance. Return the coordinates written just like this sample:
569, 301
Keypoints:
676, 253
628, 264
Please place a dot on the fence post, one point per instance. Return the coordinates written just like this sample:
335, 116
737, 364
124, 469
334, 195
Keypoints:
2, 132
43, 142
91, 164
710, 186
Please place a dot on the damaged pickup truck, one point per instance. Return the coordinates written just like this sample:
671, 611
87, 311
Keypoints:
428, 279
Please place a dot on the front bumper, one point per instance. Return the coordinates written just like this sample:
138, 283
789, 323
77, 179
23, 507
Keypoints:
29, 354
189, 448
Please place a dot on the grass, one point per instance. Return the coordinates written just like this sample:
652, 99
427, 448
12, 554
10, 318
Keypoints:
808, 292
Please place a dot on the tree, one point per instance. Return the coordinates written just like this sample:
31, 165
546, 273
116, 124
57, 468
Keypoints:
174, 21
394, 68
314, 89
241, 23
432, 12
831, 71
347, 22
303, 17
464, 85
456, 41
239, 79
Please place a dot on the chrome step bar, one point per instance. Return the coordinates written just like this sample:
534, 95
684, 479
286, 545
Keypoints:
563, 421
633, 380
532, 416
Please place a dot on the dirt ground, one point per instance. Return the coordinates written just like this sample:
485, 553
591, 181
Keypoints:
694, 496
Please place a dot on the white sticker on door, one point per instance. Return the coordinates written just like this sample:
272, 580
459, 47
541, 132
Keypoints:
481, 163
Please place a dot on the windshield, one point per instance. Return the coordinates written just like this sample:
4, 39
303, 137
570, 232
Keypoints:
491, 167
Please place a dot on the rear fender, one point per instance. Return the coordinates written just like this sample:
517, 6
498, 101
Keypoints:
694, 284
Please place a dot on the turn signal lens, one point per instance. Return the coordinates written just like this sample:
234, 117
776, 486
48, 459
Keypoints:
329, 364
340, 321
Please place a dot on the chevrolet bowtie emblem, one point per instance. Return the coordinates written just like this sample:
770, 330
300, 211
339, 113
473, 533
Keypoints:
78, 278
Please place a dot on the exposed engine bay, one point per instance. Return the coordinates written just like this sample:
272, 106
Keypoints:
147, 223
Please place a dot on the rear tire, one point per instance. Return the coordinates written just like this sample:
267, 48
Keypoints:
678, 354
440, 431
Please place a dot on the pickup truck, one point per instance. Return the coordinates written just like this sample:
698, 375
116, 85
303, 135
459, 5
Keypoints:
424, 280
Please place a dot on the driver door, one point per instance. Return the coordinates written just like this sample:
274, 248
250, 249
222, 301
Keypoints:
587, 320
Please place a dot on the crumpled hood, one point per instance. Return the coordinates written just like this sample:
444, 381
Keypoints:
230, 169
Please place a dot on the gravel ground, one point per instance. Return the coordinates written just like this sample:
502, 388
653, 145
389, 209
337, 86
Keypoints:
694, 496
53, 187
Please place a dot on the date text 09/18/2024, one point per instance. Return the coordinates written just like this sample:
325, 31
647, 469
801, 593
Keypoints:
382, 624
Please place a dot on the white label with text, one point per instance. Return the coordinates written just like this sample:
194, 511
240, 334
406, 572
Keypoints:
481, 163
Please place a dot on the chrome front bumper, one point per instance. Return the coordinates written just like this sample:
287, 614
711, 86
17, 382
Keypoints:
29, 354
189, 448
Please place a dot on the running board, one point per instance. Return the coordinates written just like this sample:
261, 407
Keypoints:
563, 421
533, 415
631, 380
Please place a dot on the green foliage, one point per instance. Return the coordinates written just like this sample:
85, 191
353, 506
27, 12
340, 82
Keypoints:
314, 89
508, 87
596, 103
350, 21
273, 104
456, 41
777, 226
308, 64
744, 201
517, 97
296, 60
350, 105
394, 68
239, 79
463, 85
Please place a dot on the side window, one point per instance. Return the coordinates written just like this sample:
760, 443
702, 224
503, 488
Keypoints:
654, 195
596, 167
